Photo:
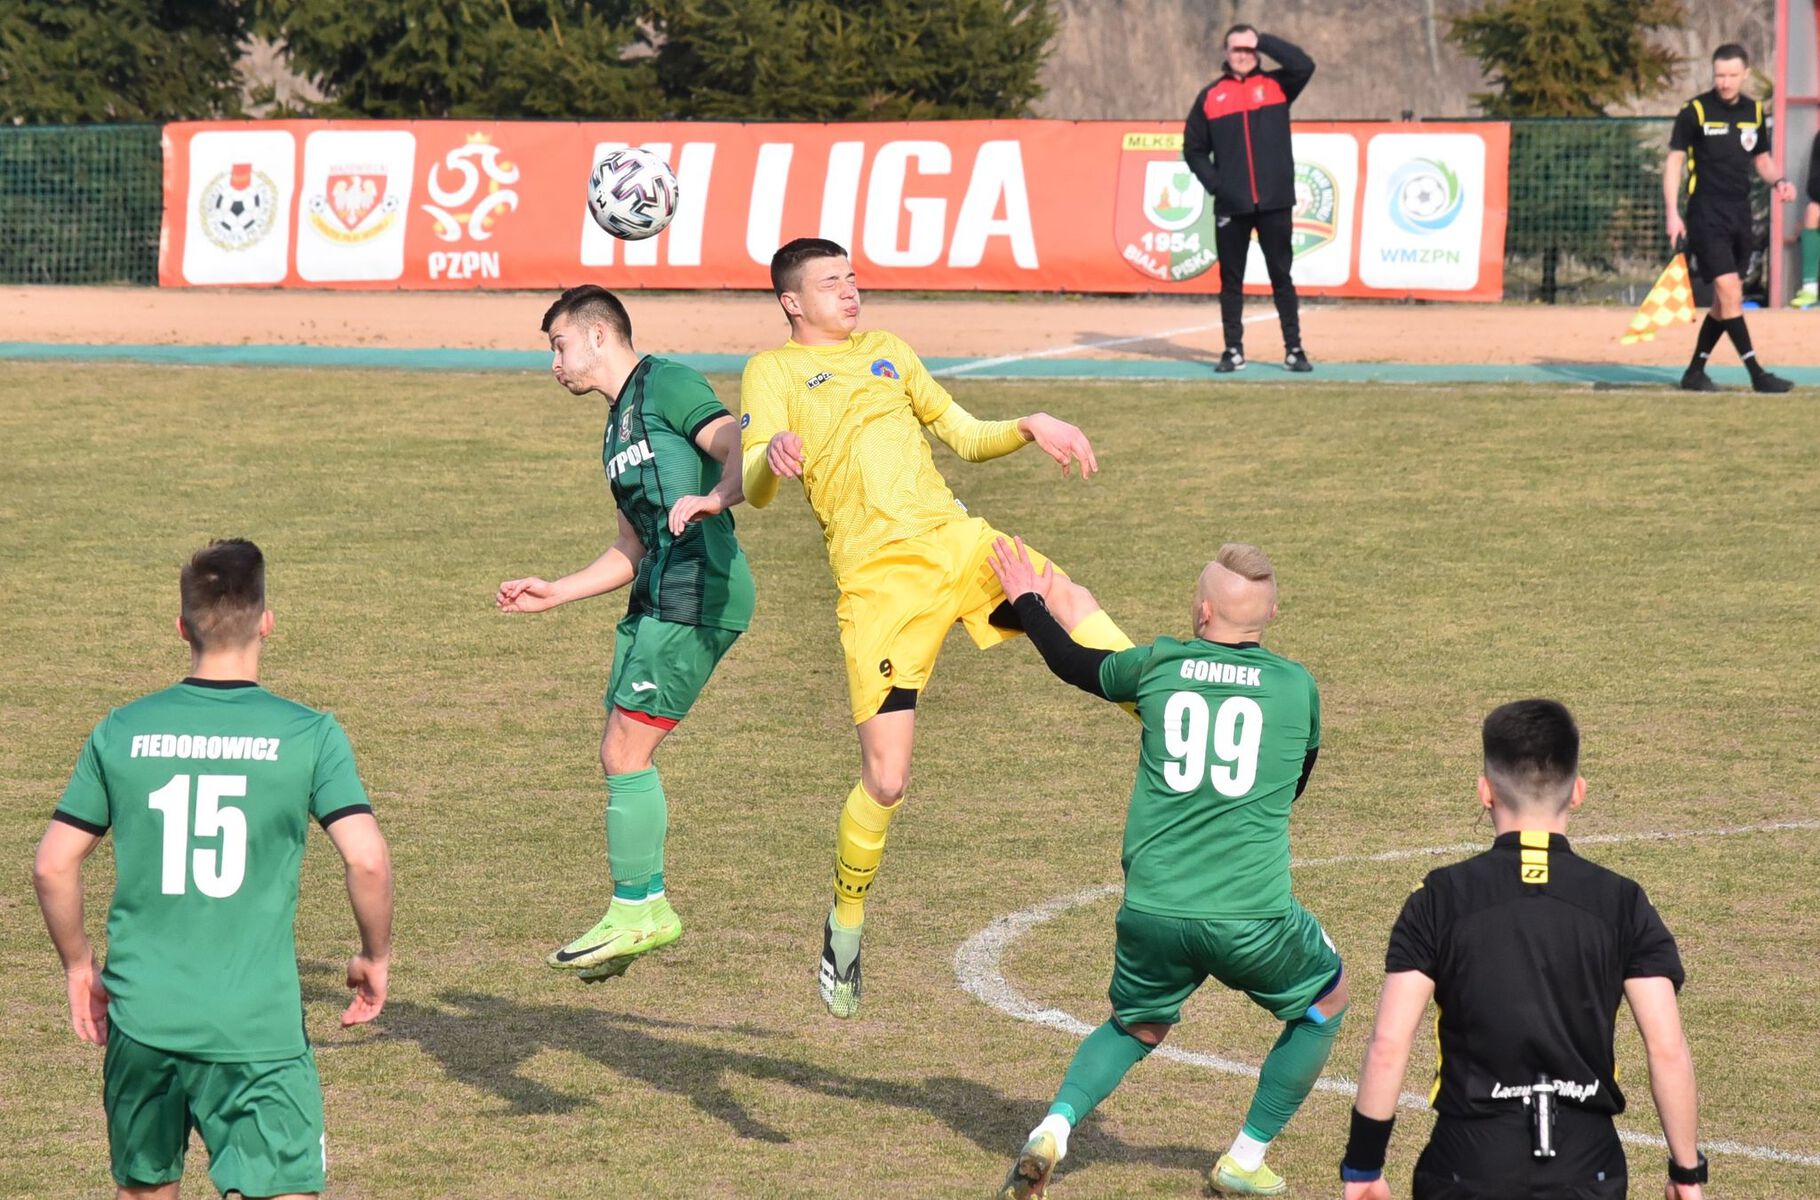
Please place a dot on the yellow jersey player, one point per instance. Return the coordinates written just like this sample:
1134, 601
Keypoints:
845, 412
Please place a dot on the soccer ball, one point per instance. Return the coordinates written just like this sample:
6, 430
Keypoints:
238, 207
632, 194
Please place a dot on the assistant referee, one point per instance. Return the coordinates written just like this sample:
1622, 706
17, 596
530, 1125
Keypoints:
1526, 950
1722, 136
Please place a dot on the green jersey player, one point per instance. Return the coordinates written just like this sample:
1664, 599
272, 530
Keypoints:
209, 787
665, 451
1230, 737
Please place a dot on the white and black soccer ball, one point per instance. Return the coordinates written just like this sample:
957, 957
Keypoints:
238, 207
632, 194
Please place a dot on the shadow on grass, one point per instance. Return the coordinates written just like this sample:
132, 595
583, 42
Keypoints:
484, 1041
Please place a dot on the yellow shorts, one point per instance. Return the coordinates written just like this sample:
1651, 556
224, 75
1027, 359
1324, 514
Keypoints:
896, 608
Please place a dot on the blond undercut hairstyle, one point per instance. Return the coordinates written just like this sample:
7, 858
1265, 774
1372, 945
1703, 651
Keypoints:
223, 588
1247, 561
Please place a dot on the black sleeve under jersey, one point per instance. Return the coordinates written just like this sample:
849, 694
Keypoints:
1068, 659
1813, 171
1314, 752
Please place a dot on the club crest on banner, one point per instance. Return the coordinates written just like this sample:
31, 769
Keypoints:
1425, 196
1316, 208
238, 207
354, 206
472, 201
1162, 220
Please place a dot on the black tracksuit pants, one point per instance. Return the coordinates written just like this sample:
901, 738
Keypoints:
1232, 242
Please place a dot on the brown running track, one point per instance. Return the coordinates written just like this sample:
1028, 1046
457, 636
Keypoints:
962, 326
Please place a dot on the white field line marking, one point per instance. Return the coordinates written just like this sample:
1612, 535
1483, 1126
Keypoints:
978, 968
980, 364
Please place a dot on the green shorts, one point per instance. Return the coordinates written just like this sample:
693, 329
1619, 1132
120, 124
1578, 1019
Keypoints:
261, 1121
660, 667
1283, 963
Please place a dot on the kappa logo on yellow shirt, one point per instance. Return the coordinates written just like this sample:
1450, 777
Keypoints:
816, 381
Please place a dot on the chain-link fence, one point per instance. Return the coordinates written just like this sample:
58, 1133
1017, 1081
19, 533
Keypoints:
1586, 219
80, 203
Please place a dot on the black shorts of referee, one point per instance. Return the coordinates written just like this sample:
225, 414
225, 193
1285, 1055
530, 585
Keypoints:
1719, 240
1491, 1159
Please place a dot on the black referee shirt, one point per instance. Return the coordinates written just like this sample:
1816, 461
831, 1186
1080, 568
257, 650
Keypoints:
1722, 143
1529, 946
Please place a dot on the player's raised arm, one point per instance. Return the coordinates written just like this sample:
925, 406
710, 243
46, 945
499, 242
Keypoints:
976, 440
1061, 441
611, 571
968, 436
57, 877
719, 439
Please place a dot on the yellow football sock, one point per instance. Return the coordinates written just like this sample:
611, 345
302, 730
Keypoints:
1098, 631
859, 844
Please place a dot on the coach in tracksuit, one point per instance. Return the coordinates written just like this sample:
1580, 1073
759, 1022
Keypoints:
1237, 145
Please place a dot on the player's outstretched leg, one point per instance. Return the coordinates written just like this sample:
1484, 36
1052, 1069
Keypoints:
1035, 1163
1098, 1067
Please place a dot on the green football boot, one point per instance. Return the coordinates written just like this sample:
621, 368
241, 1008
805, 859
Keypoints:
838, 981
627, 931
1233, 1180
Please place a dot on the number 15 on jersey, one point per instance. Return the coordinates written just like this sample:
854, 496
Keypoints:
218, 873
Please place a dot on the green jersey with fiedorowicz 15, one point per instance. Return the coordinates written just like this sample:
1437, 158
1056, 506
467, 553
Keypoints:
652, 461
208, 788
1227, 730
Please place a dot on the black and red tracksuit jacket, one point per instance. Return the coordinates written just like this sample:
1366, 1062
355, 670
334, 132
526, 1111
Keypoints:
1237, 139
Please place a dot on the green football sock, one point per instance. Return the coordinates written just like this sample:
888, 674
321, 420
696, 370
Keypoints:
1810, 256
1289, 1072
637, 821
1098, 1065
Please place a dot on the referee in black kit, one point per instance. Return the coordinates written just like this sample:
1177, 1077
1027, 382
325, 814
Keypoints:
1723, 138
1526, 950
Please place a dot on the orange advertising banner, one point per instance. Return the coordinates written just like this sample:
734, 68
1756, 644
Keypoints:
1402, 210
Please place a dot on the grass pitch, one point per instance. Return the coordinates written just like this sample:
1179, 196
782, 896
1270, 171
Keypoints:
1649, 558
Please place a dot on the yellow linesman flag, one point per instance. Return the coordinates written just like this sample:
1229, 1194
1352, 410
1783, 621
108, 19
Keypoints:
1671, 300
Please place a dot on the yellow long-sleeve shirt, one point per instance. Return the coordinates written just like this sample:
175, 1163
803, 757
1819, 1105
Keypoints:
860, 408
